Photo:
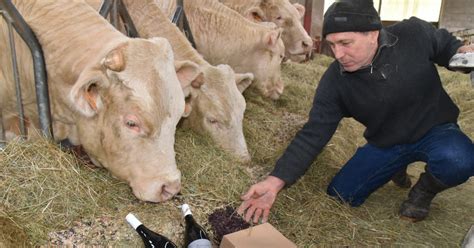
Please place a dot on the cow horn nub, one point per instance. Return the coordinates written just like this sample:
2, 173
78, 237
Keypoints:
114, 61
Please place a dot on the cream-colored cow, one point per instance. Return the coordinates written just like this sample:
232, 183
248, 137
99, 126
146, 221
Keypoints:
285, 15
217, 106
223, 36
117, 97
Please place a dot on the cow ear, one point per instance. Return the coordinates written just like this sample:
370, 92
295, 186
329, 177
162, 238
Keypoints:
270, 39
85, 94
300, 8
243, 80
255, 14
114, 60
189, 75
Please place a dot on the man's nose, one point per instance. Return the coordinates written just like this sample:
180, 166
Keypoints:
338, 53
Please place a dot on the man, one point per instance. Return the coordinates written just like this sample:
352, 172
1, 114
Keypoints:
386, 79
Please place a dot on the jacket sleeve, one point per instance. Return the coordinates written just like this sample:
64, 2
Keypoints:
324, 117
442, 44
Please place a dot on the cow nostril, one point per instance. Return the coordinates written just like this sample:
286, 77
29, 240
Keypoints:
168, 190
307, 44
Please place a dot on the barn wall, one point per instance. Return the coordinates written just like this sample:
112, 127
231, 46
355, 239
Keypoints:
316, 16
457, 15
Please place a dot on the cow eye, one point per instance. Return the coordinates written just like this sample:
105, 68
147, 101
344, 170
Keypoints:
212, 120
131, 123
279, 18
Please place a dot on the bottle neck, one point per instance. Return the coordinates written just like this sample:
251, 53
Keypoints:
133, 221
186, 210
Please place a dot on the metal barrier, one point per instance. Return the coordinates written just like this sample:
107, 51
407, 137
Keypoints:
116, 9
14, 19
178, 16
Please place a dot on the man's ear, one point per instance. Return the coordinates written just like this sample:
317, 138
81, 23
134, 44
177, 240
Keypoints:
243, 80
85, 94
300, 8
255, 14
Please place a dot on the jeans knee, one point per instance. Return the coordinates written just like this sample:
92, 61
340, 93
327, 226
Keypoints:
344, 197
461, 160
456, 165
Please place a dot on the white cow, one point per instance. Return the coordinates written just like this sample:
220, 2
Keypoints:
117, 97
217, 107
285, 15
223, 36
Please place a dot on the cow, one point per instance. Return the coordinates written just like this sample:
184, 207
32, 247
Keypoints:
285, 15
118, 97
217, 107
223, 36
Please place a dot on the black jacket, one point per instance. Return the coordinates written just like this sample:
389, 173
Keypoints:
398, 98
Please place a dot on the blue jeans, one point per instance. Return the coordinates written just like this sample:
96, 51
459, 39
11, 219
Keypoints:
447, 151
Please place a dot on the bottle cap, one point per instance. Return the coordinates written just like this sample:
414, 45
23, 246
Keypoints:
185, 209
132, 220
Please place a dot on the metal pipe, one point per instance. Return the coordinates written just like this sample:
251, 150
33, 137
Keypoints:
127, 20
186, 29
105, 8
114, 14
177, 14
16, 77
41, 84
308, 15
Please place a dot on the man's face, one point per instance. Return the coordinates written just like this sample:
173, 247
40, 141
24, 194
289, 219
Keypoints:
353, 50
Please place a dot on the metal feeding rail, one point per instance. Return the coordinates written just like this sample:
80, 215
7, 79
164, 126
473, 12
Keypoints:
115, 9
178, 16
14, 20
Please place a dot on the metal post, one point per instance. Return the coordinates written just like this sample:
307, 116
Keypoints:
116, 8
127, 21
16, 77
307, 15
41, 84
177, 15
186, 29
114, 14
105, 8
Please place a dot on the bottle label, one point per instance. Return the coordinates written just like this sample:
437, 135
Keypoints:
200, 243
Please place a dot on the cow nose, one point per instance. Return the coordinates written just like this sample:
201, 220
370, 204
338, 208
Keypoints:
169, 189
245, 158
307, 43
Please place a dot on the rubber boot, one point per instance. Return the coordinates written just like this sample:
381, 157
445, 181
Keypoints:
417, 206
401, 179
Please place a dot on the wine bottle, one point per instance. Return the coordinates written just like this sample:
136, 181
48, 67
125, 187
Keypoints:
194, 234
150, 239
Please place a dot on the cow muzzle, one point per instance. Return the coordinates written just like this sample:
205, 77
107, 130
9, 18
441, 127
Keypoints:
156, 191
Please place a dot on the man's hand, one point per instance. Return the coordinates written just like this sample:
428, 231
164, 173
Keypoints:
466, 49
259, 199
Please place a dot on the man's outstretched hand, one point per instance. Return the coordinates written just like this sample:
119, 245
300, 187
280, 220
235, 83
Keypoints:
466, 49
259, 199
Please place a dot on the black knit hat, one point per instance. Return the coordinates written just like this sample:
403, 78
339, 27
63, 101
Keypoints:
351, 16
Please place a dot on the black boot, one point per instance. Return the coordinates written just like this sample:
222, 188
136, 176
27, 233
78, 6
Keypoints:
417, 206
401, 179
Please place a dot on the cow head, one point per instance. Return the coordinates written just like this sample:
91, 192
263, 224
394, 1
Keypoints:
264, 61
218, 108
288, 17
127, 107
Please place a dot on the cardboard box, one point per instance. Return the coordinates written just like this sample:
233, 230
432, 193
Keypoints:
260, 236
